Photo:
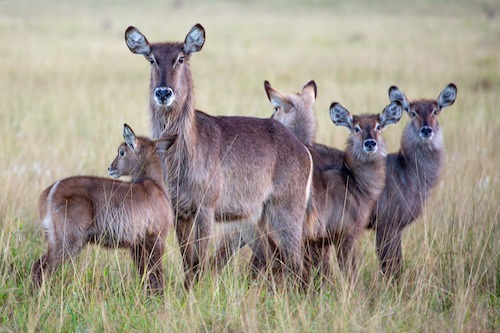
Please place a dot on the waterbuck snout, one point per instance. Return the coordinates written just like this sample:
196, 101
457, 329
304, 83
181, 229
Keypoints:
168, 63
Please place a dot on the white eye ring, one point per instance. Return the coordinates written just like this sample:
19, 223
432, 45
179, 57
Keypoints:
357, 129
377, 128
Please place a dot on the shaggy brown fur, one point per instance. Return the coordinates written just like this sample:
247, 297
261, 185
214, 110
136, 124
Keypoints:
80, 210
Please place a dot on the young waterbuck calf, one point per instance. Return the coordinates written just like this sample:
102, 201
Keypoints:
411, 174
80, 210
222, 168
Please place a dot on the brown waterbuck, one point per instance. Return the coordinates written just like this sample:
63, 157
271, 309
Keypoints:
411, 174
346, 185
137, 215
223, 168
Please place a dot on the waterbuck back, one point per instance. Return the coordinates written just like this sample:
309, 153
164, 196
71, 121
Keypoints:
79, 210
222, 168
411, 174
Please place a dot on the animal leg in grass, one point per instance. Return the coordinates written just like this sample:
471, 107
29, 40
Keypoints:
185, 236
389, 251
346, 255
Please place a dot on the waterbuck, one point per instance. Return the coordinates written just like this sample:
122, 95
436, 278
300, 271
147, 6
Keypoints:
79, 210
223, 168
411, 174
346, 185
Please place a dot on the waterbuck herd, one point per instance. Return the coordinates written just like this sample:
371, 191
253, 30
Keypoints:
290, 199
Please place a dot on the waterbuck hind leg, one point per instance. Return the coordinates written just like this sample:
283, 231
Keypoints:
346, 256
388, 242
148, 257
286, 225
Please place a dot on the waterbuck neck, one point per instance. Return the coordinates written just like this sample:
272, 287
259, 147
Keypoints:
423, 159
368, 171
152, 170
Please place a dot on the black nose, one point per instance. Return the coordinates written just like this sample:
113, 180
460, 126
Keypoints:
426, 131
370, 144
163, 93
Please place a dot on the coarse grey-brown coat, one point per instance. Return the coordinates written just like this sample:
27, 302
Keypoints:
79, 210
412, 173
222, 168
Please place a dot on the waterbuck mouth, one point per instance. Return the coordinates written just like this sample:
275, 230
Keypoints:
113, 173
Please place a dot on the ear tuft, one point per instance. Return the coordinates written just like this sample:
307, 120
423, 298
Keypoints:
340, 116
137, 42
391, 114
194, 39
447, 96
129, 136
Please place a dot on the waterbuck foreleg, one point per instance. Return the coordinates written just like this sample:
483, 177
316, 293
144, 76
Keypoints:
204, 220
148, 257
388, 242
185, 236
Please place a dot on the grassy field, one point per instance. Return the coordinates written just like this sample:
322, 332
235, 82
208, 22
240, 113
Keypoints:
68, 83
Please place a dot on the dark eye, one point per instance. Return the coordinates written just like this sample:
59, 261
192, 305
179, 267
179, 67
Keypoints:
357, 129
377, 128
413, 114
276, 108
181, 60
121, 152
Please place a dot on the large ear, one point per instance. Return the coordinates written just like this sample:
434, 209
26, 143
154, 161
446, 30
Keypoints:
340, 116
164, 143
276, 97
195, 39
447, 96
310, 90
129, 137
137, 43
391, 114
396, 95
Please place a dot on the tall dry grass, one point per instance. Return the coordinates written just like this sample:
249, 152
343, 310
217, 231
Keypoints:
68, 83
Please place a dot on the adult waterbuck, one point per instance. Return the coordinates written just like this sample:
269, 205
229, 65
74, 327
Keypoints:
411, 174
137, 215
223, 168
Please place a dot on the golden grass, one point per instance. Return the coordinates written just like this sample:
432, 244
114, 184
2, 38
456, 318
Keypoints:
68, 83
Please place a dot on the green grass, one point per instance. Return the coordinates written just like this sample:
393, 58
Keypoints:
68, 83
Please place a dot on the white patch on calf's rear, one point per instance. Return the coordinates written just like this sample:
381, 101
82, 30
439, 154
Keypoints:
47, 222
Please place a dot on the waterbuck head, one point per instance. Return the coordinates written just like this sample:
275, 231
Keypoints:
170, 74
424, 113
137, 153
365, 141
295, 110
